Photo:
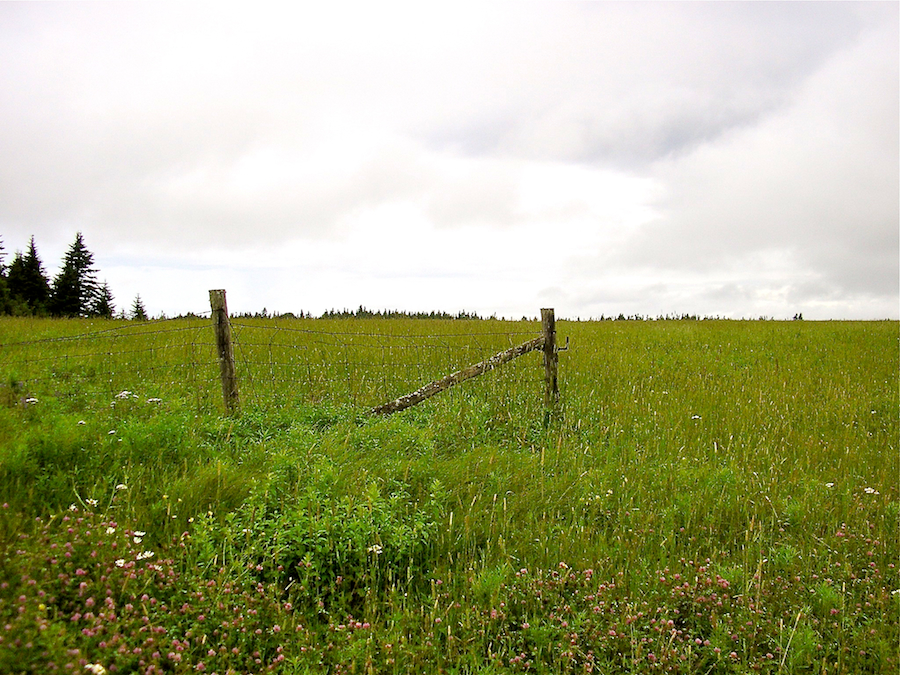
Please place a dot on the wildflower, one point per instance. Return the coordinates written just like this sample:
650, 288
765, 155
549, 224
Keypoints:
696, 417
871, 491
121, 486
91, 502
81, 423
829, 485
120, 562
144, 555
110, 530
112, 432
72, 507
376, 549
96, 668
122, 395
31, 400
154, 400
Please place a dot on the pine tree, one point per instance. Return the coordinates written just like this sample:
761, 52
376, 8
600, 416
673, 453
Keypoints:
28, 285
75, 287
138, 313
103, 306
5, 303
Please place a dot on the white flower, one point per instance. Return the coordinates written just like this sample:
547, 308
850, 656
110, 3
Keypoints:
91, 502
121, 486
31, 400
123, 395
81, 422
112, 432
145, 554
72, 507
696, 417
829, 485
110, 530
376, 549
95, 668
871, 491
120, 562
154, 400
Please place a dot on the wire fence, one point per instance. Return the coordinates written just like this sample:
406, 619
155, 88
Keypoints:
174, 360
360, 362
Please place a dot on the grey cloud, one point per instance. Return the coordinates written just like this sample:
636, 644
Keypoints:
772, 126
818, 180
630, 85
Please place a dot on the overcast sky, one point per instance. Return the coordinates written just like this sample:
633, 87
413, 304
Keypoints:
732, 159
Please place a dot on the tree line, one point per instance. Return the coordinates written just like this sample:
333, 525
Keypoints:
26, 290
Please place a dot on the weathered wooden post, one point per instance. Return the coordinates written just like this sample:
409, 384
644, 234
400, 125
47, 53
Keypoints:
225, 349
551, 359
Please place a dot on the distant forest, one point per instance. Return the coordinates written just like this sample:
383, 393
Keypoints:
26, 290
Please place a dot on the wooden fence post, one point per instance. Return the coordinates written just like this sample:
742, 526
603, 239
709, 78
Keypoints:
225, 349
551, 359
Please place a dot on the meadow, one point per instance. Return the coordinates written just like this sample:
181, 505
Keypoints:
708, 497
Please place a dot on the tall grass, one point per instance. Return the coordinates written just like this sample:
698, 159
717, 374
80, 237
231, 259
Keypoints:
737, 479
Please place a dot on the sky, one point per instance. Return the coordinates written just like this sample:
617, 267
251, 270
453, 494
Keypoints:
720, 159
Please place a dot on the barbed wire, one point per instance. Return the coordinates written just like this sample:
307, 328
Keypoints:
274, 362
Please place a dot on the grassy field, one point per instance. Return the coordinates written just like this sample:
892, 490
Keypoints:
710, 497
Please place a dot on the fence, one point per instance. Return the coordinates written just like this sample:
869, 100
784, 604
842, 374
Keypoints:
163, 360
366, 363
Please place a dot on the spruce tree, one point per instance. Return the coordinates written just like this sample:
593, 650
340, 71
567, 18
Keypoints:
5, 304
138, 313
75, 287
103, 306
28, 285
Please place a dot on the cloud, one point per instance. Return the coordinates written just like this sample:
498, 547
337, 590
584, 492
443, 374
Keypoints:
626, 85
817, 179
658, 154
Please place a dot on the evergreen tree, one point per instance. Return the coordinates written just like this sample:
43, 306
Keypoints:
5, 304
138, 313
28, 285
75, 288
103, 305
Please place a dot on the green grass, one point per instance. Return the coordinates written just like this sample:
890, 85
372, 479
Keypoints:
710, 497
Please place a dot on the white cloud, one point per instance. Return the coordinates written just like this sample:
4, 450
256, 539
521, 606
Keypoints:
816, 181
723, 157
